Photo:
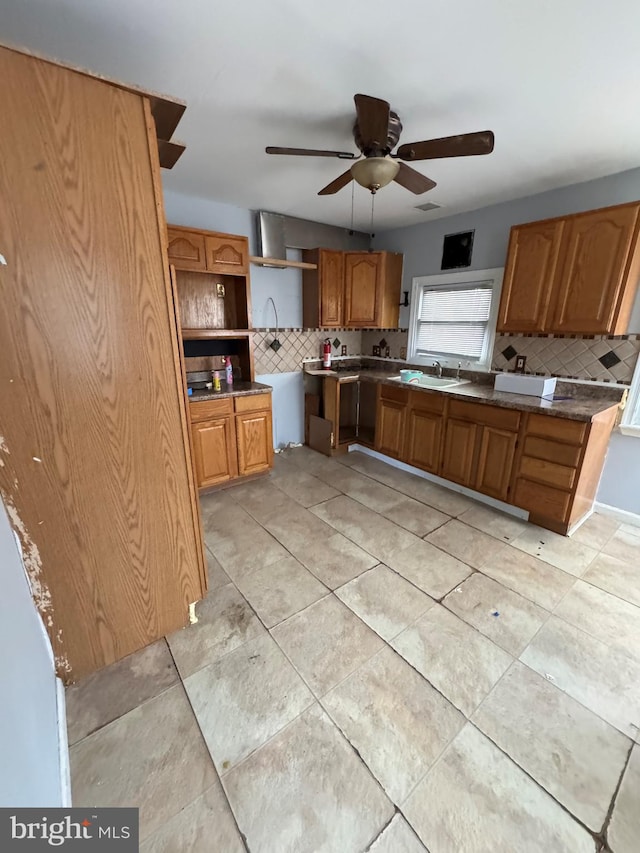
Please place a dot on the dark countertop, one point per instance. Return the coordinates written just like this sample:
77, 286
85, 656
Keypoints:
239, 389
581, 402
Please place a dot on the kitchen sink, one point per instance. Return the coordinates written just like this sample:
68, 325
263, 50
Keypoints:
427, 381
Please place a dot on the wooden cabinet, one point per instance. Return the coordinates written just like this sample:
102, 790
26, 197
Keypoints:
211, 251
227, 253
558, 468
479, 447
529, 274
352, 289
598, 274
424, 430
390, 420
572, 275
459, 451
361, 289
232, 437
497, 450
372, 289
214, 448
254, 433
323, 289
90, 378
186, 249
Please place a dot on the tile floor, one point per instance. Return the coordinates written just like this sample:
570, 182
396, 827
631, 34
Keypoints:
380, 665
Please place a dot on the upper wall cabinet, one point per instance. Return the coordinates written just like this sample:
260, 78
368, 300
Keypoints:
353, 289
572, 275
531, 266
208, 251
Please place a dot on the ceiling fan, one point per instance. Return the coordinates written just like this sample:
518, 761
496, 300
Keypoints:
376, 132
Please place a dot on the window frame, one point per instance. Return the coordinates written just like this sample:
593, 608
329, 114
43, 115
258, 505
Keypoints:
446, 280
630, 423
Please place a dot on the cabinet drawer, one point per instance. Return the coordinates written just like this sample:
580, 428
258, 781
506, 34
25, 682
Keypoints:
542, 500
426, 402
392, 392
253, 402
482, 414
202, 411
227, 253
573, 432
552, 451
547, 472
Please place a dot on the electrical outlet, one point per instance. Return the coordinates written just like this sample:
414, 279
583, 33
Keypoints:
376, 351
403, 353
387, 352
521, 361
343, 349
220, 289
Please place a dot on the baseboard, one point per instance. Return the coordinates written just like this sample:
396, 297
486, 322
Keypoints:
439, 481
622, 515
63, 747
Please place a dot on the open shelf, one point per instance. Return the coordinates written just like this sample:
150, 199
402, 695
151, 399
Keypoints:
205, 334
274, 262
210, 301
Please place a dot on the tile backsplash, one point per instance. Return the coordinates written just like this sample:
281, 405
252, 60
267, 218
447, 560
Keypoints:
602, 358
298, 344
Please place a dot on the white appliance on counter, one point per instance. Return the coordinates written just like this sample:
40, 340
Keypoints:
520, 383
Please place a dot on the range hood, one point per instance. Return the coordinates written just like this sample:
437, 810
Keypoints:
277, 233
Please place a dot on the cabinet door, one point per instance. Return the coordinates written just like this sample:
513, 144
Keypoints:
331, 282
424, 439
361, 278
459, 449
214, 451
227, 253
531, 265
593, 270
255, 442
495, 462
390, 427
186, 249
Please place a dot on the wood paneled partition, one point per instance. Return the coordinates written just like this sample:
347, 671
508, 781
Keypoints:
95, 464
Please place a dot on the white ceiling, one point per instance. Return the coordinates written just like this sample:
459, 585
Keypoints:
556, 80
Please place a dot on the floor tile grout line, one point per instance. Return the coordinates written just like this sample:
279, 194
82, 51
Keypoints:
607, 821
595, 835
562, 689
218, 777
396, 812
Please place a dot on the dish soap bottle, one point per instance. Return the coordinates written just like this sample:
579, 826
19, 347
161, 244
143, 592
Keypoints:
228, 369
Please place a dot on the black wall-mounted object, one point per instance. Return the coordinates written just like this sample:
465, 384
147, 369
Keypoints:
405, 299
457, 250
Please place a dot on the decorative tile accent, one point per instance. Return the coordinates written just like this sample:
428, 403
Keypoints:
602, 358
609, 359
395, 339
336, 343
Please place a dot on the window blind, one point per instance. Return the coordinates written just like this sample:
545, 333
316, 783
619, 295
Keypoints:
453, 320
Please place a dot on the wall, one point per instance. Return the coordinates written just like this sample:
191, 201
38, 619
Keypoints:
422, 249
30, 758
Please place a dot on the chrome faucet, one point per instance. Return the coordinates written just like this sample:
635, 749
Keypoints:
438, 367
458, 370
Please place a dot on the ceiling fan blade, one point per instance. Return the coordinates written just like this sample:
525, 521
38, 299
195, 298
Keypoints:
373, 123
412, 180
464, 145
337, 184
311, 152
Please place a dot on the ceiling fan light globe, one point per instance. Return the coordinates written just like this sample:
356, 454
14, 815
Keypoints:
373, 173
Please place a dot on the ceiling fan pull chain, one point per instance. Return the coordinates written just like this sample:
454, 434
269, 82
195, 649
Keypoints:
371, 234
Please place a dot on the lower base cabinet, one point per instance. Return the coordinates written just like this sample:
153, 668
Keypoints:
232, 438
214, 451
390, 420
545, 464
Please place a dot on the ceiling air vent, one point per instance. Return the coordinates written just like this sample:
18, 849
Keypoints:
429, 205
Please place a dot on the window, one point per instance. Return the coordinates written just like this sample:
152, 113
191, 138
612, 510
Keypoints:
630, 423
453, 318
